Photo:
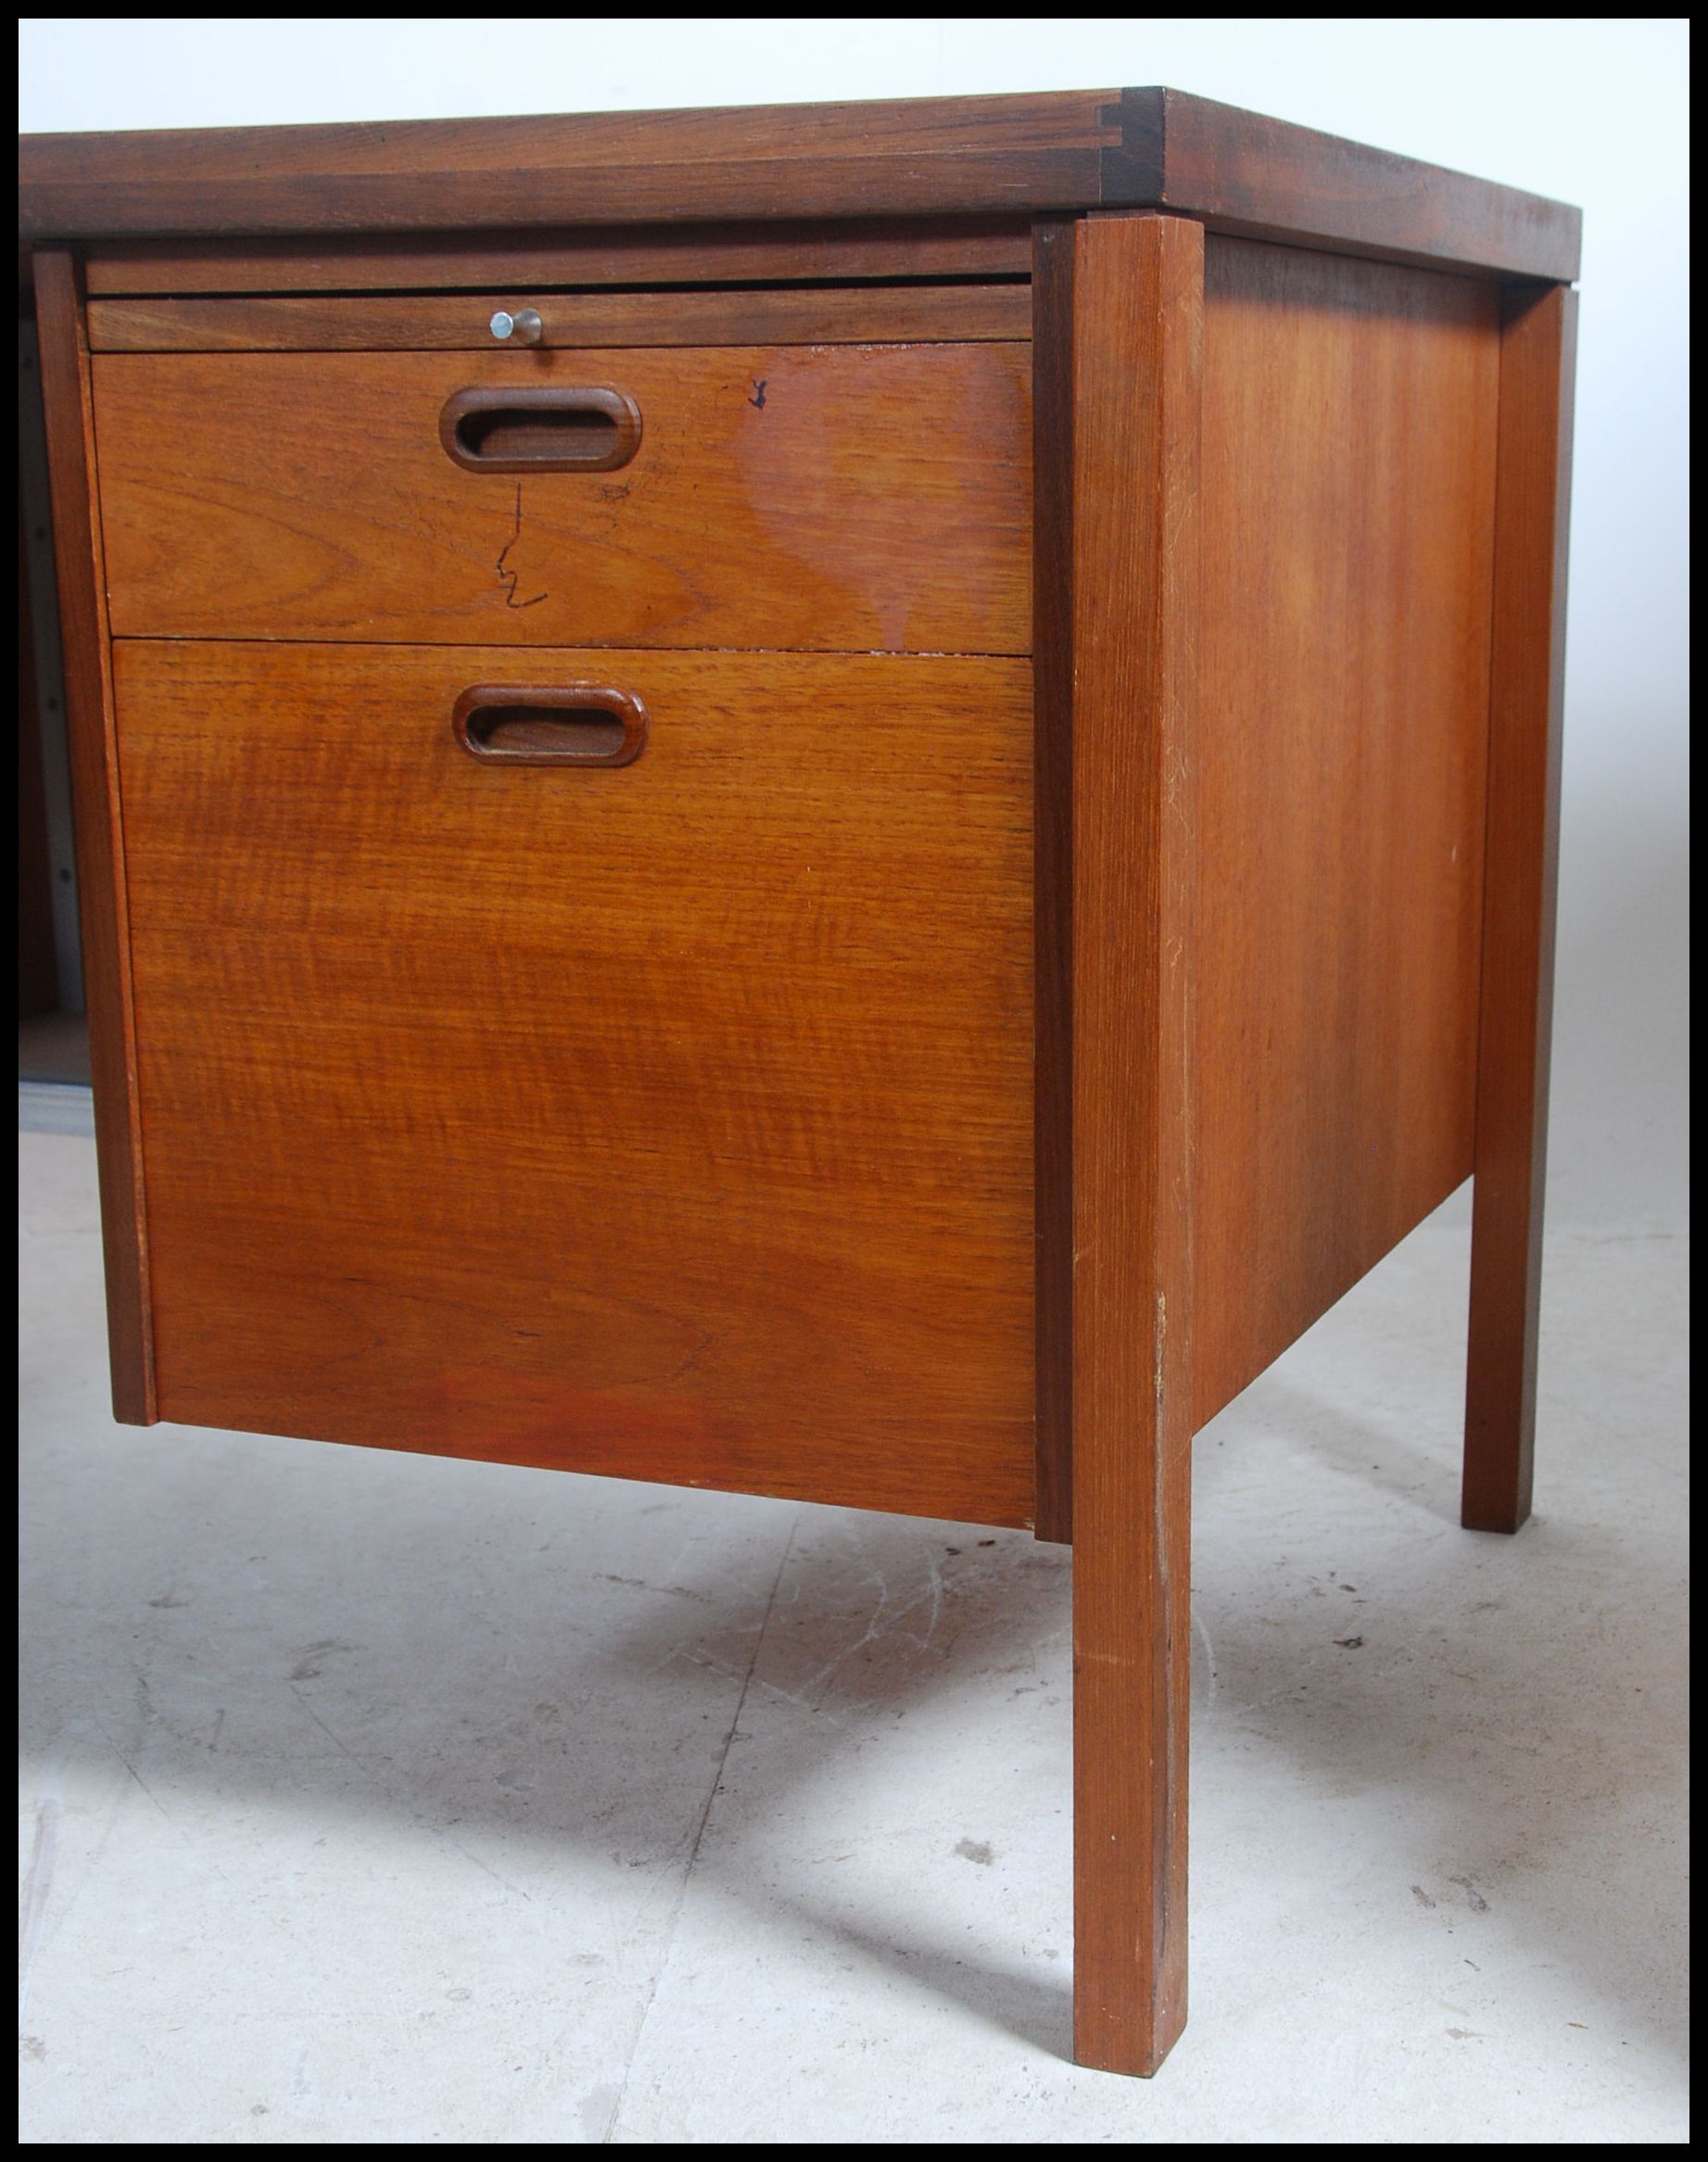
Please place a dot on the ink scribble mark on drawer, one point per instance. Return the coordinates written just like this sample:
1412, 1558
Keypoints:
510, 579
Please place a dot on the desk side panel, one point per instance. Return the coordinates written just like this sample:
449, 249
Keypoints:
1348, 475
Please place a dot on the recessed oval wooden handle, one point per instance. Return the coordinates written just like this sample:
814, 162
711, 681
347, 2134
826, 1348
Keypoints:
577, 724
540, 428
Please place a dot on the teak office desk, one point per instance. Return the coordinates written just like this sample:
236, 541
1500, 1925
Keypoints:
845, 801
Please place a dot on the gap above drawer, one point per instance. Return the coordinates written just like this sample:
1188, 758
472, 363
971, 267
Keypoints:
901, 314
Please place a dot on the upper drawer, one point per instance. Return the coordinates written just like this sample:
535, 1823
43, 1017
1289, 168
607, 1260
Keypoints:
839, 497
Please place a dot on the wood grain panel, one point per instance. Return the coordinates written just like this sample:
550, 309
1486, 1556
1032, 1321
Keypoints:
1136, 308
884, 184
381, 322
103, 902
1244, 172
1537, 363
1348, 523
774, 253
912, 156
1052, 151
672, 1121
697, 137
840, 497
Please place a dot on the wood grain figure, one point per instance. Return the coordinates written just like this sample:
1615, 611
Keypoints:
619, 1120
1348, 552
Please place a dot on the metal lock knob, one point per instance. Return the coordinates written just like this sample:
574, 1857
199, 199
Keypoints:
523, 328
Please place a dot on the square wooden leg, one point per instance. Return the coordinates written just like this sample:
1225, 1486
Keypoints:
1118, 390
1533, 489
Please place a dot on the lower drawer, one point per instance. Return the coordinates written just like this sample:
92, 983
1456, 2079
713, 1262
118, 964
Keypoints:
670, 1119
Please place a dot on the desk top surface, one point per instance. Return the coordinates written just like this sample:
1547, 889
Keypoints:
1068, 151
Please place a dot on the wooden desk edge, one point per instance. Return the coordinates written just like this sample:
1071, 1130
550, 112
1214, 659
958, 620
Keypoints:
1060, 152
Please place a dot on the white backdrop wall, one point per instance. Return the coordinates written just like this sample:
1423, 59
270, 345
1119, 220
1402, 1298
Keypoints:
1591, 111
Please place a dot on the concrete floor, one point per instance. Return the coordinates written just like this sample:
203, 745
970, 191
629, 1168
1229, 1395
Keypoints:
375, 1798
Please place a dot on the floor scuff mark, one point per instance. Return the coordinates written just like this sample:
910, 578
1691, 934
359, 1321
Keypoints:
33, 1902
